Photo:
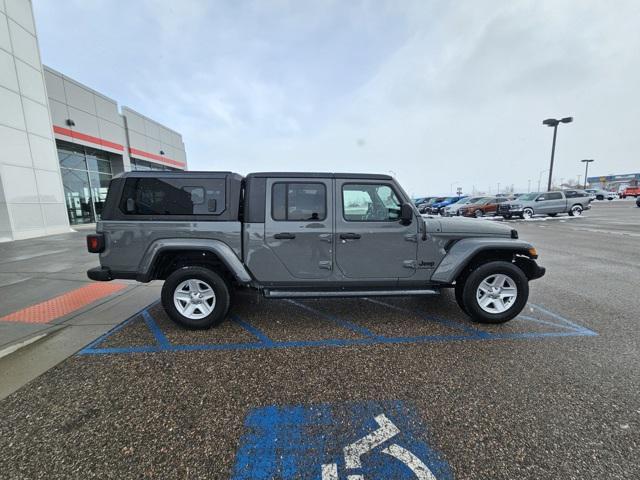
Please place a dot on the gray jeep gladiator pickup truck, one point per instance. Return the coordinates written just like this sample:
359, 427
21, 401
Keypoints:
293, 235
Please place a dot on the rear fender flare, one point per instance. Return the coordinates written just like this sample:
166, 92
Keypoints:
220, 249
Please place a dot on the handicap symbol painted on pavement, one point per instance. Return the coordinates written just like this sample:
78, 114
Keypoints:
355, 441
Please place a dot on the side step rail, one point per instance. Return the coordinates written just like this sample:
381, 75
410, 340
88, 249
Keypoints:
346, 293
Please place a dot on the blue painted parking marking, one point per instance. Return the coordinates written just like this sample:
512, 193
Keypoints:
355, 441
567, 328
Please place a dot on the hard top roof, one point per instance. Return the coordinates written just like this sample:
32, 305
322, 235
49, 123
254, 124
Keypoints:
367, 176
222, 174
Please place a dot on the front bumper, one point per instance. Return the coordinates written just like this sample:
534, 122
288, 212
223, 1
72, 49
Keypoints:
537, 271
530, 267
507, 210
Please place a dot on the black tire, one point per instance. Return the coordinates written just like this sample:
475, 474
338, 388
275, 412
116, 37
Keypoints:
599, 197
459, 290
217, 284
527, 213
552, 214
507, 216
575, 210
476, 277
478, 213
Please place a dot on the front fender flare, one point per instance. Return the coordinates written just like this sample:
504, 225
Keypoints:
461, 253
220, 249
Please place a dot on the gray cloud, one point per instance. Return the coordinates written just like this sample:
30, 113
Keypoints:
439, 92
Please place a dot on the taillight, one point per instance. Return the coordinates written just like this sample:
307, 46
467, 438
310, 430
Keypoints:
95, 243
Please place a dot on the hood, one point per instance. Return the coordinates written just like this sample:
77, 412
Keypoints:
473, 226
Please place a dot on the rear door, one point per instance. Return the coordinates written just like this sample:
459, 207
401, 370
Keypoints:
554, 203
299, 225
371, 241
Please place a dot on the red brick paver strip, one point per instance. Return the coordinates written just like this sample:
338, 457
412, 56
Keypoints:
64, 304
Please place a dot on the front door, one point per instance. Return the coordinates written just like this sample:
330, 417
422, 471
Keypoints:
299, 225
371, 241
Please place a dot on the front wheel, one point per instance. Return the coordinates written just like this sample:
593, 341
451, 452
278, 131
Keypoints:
196, 297
527, 213
479, 213
495, 292
575, 211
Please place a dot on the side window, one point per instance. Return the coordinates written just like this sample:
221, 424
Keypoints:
173, 196
370, 203
554, 196
299, 202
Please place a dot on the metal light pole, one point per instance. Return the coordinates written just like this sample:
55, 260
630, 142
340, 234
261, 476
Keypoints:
451, 186
498, 187
529, 186
540, 177
552, 122
586, 161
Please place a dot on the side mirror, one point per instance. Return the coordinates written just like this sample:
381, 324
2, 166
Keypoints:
406, 214
540, 199
131, 205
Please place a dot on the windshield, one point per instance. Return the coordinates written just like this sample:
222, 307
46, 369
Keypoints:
529, 196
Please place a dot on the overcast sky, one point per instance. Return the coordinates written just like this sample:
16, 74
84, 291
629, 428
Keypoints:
440, 93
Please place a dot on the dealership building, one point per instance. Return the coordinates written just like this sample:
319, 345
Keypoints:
61, 141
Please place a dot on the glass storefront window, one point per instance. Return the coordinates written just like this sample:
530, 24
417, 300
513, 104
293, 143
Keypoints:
77, 195
99, 187
143, 165
72, 156
86, 174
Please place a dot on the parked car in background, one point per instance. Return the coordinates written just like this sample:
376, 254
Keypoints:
631, 191
424, 207
454, 209
437, 207
485, 206
638, 201
599, 194
573, 202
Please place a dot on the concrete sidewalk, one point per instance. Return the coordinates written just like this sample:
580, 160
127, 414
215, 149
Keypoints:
49, 309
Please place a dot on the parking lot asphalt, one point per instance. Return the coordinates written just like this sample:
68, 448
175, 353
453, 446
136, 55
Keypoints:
281, 388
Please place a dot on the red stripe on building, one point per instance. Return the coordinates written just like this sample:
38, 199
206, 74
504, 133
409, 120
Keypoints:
45, 312
87, 138
159, 158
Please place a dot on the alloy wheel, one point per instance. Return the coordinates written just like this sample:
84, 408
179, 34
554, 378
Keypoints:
496, 293
194, 299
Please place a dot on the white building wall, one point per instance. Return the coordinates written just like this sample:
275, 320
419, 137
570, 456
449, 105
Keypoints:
31, 192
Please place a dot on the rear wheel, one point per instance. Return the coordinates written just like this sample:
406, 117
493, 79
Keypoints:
495, 292
575, 211
196, 297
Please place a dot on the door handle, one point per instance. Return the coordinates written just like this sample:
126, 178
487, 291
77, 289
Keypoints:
349, 236
284, 236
